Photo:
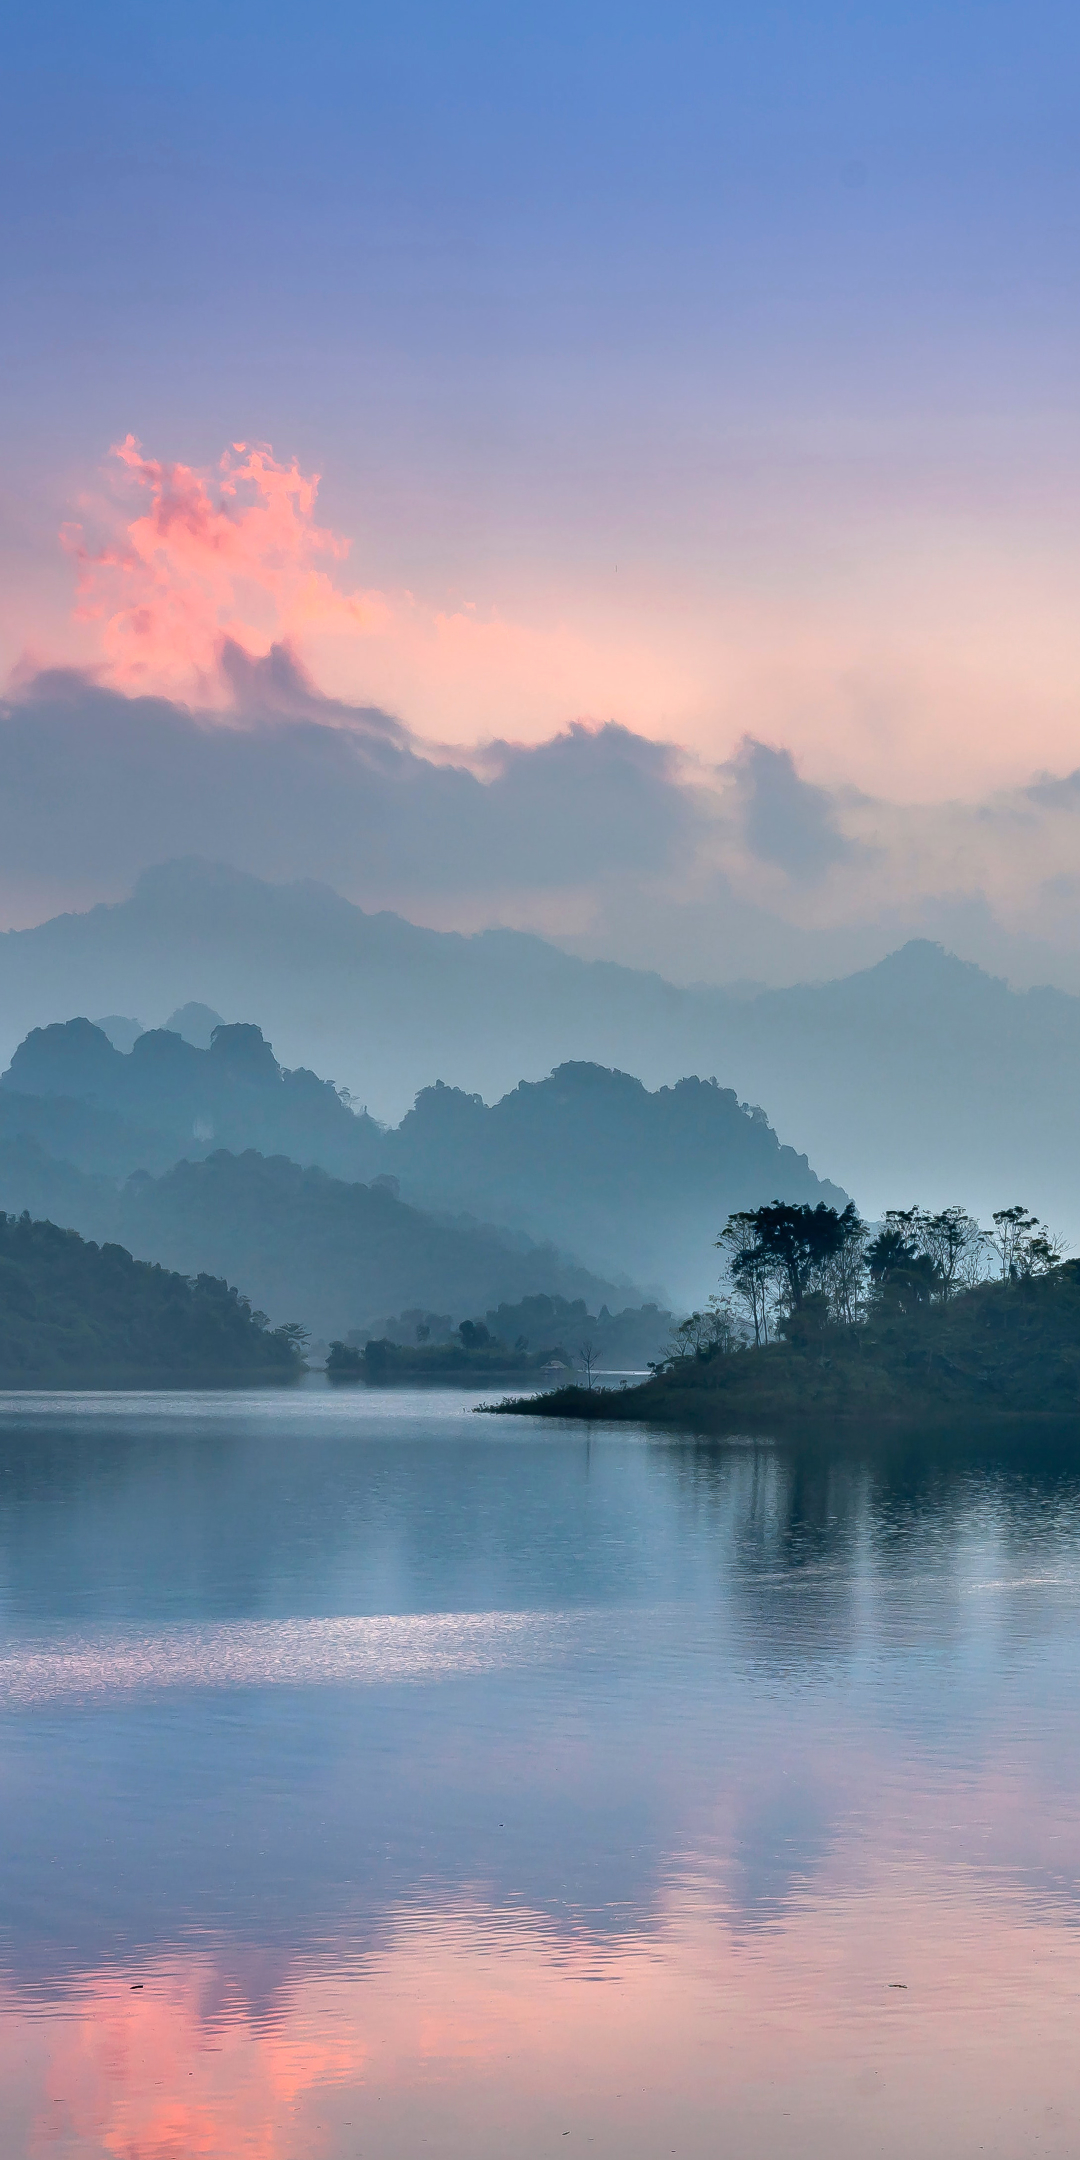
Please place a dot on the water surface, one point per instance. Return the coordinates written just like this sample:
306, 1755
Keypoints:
379, 1780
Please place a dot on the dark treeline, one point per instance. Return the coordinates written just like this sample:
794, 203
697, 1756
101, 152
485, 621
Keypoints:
924, 1314
791, 1267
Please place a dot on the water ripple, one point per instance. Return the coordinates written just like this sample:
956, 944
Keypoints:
290, 1653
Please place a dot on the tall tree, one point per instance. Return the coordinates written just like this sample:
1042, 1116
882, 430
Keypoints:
795, 1247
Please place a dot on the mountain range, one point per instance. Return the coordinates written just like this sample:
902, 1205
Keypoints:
921, 1078
587, 1162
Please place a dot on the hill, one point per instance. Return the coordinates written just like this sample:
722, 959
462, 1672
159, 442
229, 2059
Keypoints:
1000, 1350
305, 1245
76, 1314
594, 1160
588, 1160
923, 1074
114, 1112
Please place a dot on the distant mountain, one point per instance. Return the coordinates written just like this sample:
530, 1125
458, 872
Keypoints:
370, 1001
921, 1077
593, 1160
112, 1112
195, 1022
587, 1160
123, 1032
303, 1245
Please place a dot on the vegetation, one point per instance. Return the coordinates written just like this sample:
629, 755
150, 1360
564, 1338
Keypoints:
112, 1112
929, 1319
470, 1351
536, 1335
303, 1243
633, 1178
75, 1313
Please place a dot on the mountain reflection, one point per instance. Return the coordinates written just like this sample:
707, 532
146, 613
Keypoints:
625, 1673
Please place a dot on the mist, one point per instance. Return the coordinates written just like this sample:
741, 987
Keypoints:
600, 840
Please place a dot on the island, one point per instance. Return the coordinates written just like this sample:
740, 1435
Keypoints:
879, 1332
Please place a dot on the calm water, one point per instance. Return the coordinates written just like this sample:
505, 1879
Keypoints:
379, 1780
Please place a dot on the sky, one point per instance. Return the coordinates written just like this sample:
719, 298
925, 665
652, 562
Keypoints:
701, 379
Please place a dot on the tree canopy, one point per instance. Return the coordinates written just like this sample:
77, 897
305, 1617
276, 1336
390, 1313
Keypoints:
73, 1311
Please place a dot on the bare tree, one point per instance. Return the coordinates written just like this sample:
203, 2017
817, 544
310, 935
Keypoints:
954, 1243
706, 1334
751, 1273
845, 1275
587, 1354
1023, 1244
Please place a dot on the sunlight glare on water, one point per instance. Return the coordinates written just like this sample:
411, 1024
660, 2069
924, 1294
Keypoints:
378, 1779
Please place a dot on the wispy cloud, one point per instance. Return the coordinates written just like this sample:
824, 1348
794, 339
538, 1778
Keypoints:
610, 842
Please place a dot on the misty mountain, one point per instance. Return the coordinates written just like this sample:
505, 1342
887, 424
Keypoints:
113, 1112
588, 1160
920, 1077
301, 1245
592, 1160
370, 1001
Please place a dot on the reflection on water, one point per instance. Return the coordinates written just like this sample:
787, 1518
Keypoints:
380, 1780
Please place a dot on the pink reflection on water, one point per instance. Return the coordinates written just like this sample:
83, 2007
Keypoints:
474, 2037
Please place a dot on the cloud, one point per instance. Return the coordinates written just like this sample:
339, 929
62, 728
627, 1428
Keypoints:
610, 843
188, 578
100, 785
786, 820
203, 726
207, 560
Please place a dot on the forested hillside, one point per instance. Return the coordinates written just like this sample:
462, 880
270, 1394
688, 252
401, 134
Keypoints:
920, 1073
114, 1112
304, 1245
74, 1313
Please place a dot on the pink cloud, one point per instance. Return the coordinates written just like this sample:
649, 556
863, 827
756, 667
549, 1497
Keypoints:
235, 556
177, 565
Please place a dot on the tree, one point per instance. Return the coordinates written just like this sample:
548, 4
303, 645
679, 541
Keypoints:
587, 1354
796, 1245
706, 1334
902, 1273
955, 1244
294, 1335
1023, 1244
473, 1335
346, 1361
751, 1272
846, 1273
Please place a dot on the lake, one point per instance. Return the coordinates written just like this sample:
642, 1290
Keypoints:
382, 1780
